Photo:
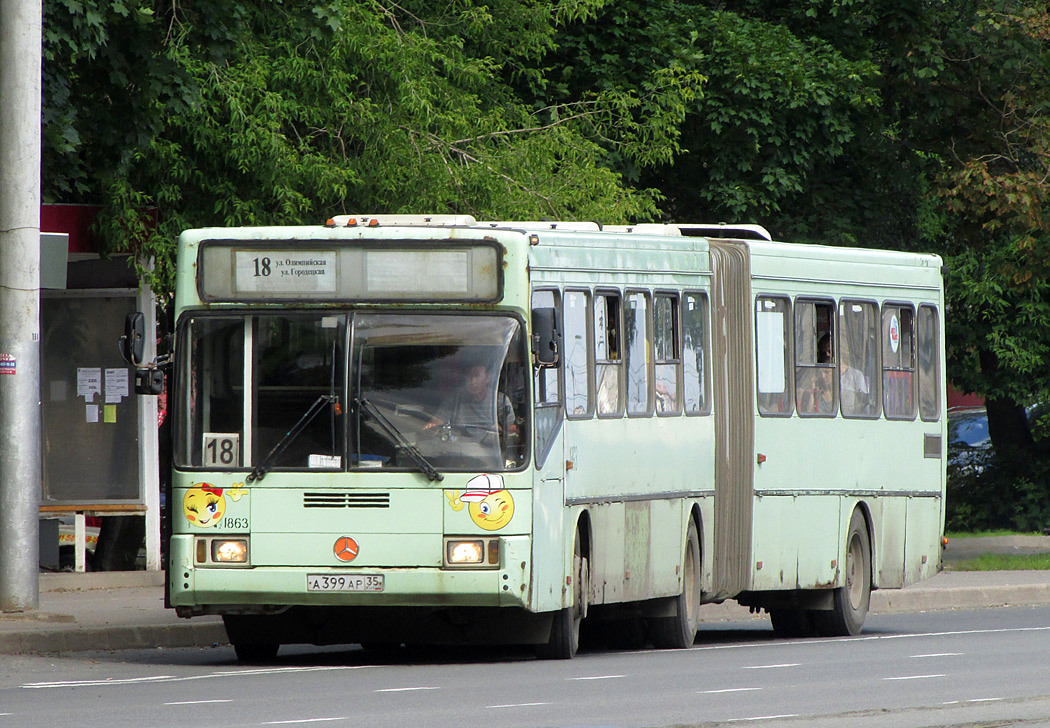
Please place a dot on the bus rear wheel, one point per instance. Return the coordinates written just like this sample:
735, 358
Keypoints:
679, 631
851, 600
565, 630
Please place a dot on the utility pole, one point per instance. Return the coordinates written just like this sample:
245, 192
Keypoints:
20, 451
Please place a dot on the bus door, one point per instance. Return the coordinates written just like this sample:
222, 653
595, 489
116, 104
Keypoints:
549, 456
731, 343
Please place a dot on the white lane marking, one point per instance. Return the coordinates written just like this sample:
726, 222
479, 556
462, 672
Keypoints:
97, 683
597, 677
763, 717
770, 667
516, 705
187, 678
984, 700
305, 720
913, 677
727, 690
197, 702
405, 690
846, 640
939, 654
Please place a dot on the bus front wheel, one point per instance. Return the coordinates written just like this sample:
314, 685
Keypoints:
246, 634
851, 600
679, 631
565, 629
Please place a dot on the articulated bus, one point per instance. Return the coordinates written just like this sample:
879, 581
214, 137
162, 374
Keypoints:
431, 430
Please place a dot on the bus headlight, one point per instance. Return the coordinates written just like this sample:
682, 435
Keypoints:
483, 552
459, 553
229, 551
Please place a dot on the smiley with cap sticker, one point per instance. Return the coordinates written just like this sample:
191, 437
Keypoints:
489, 504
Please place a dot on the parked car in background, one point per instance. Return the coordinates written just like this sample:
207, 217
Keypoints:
969, 443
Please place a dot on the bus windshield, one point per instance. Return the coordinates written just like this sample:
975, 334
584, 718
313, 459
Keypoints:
451, 385
418, 392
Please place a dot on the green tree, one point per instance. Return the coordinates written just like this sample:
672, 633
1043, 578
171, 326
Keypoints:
239, 112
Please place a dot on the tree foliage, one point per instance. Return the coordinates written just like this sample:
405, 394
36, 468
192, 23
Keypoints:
909, 124
240, 112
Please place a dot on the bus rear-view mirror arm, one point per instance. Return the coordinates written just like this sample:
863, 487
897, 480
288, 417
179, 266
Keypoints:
149, 378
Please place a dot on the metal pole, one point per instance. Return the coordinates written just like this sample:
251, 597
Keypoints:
20, 462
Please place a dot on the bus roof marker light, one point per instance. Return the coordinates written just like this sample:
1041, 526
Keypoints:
534, 239
329, 223
373, 222
351, 222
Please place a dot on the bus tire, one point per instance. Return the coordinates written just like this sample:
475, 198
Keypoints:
254, 654
244, 632
792, 622
851, 600
564, 639
679, 631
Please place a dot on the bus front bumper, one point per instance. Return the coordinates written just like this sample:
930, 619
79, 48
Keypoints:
218, 589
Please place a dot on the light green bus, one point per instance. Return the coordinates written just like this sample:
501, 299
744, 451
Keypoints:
431, 429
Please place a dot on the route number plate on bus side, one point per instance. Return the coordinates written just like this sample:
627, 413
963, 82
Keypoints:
344, 582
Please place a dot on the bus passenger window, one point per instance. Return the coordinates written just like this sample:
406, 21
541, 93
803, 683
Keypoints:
898, 362
577, 360
667, 355
929, 364
608, 355
636, 325
815, 385
772, 317
546, 387
859, 358
694, 354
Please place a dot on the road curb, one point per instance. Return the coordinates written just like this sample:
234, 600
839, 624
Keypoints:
929, 600
206, 634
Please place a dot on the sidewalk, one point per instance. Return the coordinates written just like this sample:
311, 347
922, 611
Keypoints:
125, 610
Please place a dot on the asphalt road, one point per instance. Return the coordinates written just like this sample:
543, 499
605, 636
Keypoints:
984, 667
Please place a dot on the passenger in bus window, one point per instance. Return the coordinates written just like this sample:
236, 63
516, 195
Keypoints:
855, 390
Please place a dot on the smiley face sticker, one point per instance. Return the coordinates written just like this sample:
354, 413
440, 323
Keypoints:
205, 504
488, 502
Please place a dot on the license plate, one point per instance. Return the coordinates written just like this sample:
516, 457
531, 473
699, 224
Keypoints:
344, 582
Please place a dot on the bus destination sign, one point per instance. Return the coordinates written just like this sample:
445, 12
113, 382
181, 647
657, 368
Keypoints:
283, 272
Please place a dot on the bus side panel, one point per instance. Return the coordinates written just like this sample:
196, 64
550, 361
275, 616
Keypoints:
609, 558
922, 548
820, 532
888, 515
775, 543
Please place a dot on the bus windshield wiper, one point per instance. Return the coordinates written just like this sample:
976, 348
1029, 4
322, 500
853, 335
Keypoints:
394, 434
312, 411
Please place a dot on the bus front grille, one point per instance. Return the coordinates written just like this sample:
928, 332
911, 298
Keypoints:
330, 499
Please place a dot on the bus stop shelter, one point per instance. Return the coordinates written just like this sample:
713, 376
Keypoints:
99, 439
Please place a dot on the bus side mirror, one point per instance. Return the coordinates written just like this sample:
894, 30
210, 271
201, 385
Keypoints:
545, 337
132, 342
